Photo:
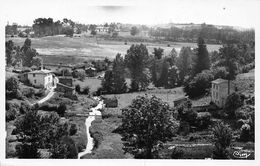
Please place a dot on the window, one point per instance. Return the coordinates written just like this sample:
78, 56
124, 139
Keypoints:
33, 75
35, 81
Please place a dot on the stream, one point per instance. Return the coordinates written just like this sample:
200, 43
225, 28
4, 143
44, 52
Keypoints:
91, 117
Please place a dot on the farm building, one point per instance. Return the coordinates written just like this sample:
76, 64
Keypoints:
219, 91
91, 71
42, 78
67, 90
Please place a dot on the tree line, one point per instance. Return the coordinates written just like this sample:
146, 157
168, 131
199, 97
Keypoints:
192, 68
210, 33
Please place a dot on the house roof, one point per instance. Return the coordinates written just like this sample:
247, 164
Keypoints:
219, 81
43, 71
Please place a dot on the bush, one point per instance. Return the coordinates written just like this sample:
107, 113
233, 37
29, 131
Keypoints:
97, 138
28, 92
15, 94
48, 107
10, 114
220, 72
40, 93
199, 85
86, 90
61, 109
203, 120
222, 138
73, 129
177, 153
25, 107
27, 151
77, 88
12, 84
232, 102
245, 133
186, 114
81, 75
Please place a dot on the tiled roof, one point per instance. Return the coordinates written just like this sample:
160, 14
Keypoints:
43, 71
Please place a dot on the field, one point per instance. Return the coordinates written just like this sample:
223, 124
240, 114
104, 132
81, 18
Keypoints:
67, 50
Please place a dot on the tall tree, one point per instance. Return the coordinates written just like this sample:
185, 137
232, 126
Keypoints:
184, 62
158, 53
163, 81
9, 47
202, 61
172, 57
228, 58
147, 123
134, 31
136, 61
118, 73
173, 77
28, 53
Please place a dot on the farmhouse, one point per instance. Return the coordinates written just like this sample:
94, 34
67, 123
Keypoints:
91, 71
219, 91
65, 86
42, 78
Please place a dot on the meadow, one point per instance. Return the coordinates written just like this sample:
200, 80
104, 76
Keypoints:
72, 50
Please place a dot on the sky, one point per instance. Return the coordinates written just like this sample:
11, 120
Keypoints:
220, 12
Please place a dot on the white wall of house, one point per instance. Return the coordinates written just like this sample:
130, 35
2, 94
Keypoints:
219, 93
40, 79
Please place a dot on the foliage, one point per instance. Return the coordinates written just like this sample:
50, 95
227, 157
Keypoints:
68, 31
186, 113
163, 80
10, 114
202, 61
232, 102
184, 62
28, 53
61, 109
93, 32
177, 153
220, 72
27, 151
203, 120
12, 84
222, 138
25, 107
199, 85
136, 61
173, 77
28, 92
73, 129
81, 75
9, 47
86, 90
147, 122
134, 31
37, 61
158, 53
77, 88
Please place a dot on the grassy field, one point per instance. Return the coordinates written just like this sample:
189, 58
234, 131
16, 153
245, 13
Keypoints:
56, 49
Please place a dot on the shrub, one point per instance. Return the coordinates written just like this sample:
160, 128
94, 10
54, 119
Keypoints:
220, 72
61, 109
245, 133
81, 75
15, 94
28, 151
203, 120
185, 113
25, 107
222, 138
199, 85
28, 92
73, 129
12, 84
97, 138
77, 88
85, 90
10, 114
40, 93
48, 107
177, 153
232, 102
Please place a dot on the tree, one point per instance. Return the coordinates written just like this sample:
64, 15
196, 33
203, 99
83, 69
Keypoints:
222, 138
184, 62
202, 61
9, 47
77, 88
93, 32
232, 102
228, 58
163, 81
134, 30
12, 84
136, 61
114, 80
147, 123
28, 53
37, 61
172, 57
158, 53
173, 77
199, 85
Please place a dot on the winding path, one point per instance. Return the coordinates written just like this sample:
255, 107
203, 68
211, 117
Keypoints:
49, 95
94, 112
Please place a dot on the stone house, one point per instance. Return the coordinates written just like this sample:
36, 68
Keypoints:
219, 91
65, 86
41, 78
